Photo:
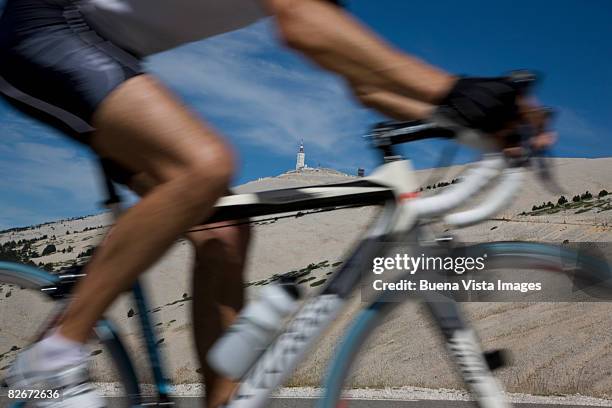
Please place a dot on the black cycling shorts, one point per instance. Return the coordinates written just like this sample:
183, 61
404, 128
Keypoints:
55, 67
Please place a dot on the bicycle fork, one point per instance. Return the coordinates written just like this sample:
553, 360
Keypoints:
473, 364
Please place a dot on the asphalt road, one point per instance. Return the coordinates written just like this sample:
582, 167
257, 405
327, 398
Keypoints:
309, 403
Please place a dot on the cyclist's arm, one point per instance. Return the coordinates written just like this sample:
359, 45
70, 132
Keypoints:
334, 40
392, 104
391, 81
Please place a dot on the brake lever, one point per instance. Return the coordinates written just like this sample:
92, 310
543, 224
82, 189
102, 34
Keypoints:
544, 173
537, 160
537, 157
542, 167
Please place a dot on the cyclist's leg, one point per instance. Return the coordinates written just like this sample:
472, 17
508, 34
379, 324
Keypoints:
218, 284
218, 296
144, 128
66, 74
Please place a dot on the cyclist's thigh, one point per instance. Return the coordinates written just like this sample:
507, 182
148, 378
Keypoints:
143, 123
57, 68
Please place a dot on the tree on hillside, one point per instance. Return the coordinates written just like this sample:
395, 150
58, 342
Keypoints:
7, 254
49, 249
602, 193
586, 195
86, 253
562, 200
576, 198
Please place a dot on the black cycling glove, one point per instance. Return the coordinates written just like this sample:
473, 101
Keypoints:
487, 104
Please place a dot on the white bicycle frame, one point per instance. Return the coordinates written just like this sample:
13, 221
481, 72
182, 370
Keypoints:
402, 211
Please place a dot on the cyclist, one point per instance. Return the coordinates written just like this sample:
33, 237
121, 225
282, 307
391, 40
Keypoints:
77, 66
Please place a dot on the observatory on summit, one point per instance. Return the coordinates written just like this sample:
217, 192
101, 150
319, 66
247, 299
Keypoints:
302, 169
300, 162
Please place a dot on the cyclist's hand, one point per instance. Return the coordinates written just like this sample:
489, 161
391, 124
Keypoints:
536, 119
500, 107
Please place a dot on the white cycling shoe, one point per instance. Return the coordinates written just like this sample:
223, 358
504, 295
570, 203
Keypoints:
71, 381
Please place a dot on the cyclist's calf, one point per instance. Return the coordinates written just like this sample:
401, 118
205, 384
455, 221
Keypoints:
220, 256
218, 294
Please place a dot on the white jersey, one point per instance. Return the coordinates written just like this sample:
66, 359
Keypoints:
146, 27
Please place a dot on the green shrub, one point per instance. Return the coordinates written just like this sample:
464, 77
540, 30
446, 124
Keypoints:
7, 254
49, 249
86, 253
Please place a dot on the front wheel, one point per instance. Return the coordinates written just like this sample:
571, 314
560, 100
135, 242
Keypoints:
461, 341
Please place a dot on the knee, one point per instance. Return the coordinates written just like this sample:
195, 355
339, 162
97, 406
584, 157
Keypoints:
227, 240
213, 162
208, 168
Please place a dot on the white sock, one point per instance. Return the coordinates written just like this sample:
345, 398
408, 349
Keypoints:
56, 351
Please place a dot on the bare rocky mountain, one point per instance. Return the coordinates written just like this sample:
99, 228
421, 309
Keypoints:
558, 348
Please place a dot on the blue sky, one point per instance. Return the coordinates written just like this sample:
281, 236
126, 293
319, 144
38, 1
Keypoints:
265, 98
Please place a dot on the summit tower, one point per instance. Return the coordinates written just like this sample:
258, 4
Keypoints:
300, 162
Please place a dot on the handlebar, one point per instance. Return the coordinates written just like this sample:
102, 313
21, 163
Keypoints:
494, 166
499, 198
385, 134
475, 180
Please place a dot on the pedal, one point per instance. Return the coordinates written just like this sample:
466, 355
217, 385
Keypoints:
497, 358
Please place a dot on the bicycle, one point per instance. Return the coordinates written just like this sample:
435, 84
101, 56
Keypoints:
403, 213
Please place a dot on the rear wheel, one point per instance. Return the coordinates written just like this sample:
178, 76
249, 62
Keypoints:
28, 311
